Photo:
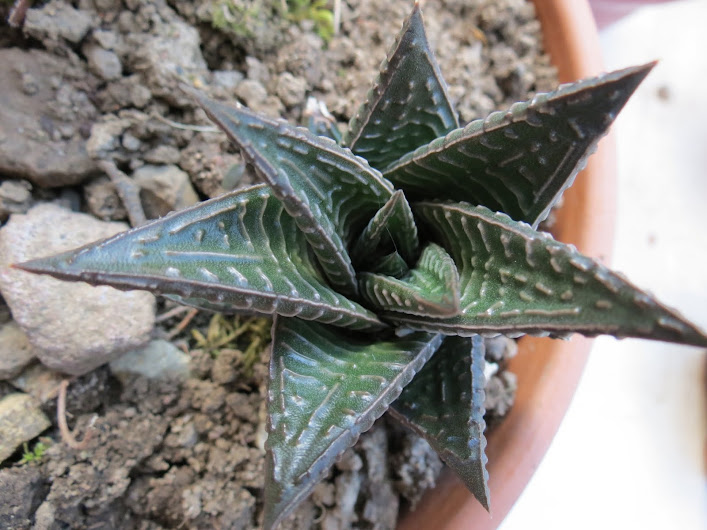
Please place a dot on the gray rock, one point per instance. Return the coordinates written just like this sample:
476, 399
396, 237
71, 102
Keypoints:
104, 63
5, 315
251, 92
163, 189
57, 20
170, 52
74, 327
32, 144
15, 350
21, 492
103, 201
291, 89
105, 136
254, 95
257, 71
130, 142
500, 391
125, 92
162, 154
106, 39
208, 165
44, 517
20, 421
500, 348
15, 197
227, 79
158, 360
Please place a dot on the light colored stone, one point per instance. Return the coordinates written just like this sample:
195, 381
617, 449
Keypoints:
15, 197
170, 52
15, 350
103, 201
164, 189
251, 92
39, 382
162, 154
158, 360
291, 89
20, 421
227, 79
105, 136
74, 327
56, 20
104, 63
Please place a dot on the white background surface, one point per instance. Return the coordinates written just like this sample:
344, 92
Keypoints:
631, 450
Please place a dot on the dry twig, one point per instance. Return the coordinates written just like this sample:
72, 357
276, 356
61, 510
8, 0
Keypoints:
66, 435
183, 324
175, 311
128, 191
185, 126
17, 14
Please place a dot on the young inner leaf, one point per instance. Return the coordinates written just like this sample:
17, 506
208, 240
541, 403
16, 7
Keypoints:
392, 228
430, 289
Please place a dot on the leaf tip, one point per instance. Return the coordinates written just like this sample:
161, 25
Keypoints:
51, 265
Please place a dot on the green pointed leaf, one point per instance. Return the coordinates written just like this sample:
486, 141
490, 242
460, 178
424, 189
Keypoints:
516, 280
330, 192
408, 104
445, 405
393, 227
519, 162
241, 251
391, 265
430, 289
326, 388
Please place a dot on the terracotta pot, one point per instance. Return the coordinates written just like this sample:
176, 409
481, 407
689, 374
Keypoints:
548, 370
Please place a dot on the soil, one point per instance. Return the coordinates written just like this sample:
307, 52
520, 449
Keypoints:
189, 453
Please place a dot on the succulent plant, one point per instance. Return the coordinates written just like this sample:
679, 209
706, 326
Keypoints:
384, 262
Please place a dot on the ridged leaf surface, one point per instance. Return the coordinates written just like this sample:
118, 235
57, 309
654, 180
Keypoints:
391, 228
326, 388
445, 405
519, 162
430, 289
516, 280
331, 193
408, 104
241, 251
